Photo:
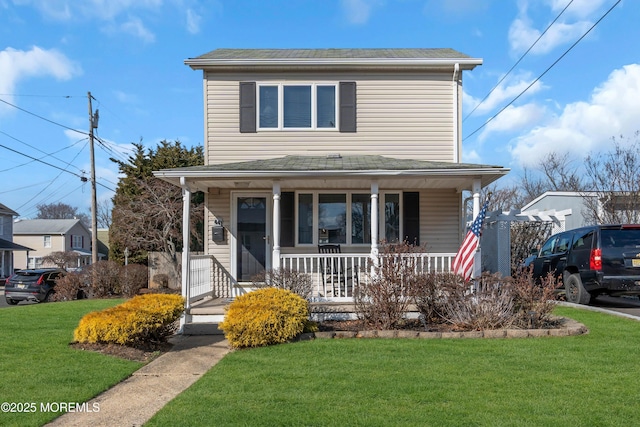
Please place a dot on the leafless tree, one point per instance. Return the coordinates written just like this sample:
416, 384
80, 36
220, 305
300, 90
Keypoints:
151, 221
62, 259
61, 211
614, 181
104, 213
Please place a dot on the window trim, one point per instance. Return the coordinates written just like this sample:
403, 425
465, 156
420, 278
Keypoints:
46, 241
314, 106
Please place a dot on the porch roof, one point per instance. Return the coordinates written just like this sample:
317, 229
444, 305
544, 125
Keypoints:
10, 246
335, 171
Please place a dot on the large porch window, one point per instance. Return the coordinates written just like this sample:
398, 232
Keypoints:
345, 218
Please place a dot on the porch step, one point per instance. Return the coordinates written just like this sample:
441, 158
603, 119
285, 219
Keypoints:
201, 329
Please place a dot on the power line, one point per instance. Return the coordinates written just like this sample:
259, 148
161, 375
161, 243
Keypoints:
48, 154
43, 118
518, 61
542, 75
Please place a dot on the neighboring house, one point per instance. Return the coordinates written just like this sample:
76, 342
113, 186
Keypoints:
103, 242
570, 202
51, 235
7, 246
310, 147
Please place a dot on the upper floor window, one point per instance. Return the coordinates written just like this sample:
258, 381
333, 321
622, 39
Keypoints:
299, 106
77, 242
46, 241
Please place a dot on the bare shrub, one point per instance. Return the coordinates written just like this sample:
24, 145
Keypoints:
106, 279
69, 287
162, 280
284, 278
134, 278
383, 300
430, 292
533, 301
489, 304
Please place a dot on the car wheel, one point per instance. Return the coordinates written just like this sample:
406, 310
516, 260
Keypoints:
11, 302
48, 297
575, 292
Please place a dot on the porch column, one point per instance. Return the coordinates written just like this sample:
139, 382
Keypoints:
477, 267
2, 267
275, 259
374, 220
186, 255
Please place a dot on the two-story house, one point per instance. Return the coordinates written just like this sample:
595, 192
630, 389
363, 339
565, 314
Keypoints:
51, 235
7, 246
306, 148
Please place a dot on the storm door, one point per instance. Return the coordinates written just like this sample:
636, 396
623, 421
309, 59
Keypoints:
252, 243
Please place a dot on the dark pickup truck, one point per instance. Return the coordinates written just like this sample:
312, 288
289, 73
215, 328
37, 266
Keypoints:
599, 259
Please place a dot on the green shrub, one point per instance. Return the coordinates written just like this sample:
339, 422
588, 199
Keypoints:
264, 317
145, 318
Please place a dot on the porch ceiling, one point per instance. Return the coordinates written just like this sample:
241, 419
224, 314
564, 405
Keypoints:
334, 172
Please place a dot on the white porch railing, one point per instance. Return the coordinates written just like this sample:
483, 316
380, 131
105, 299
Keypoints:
200, 283
334, 276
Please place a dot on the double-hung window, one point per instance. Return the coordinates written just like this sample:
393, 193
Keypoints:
77, 242
46, 241
297, 106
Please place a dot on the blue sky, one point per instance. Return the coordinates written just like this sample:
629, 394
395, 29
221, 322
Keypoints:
129, 54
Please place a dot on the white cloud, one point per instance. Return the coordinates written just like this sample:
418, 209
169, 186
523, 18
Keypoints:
508, 89
17, 65
64, 10
578, 8
587, 125
358, 12
136, 27
193, 21
514, 119
573, 23
109, 11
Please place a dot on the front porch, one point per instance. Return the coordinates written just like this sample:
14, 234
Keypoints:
334, 277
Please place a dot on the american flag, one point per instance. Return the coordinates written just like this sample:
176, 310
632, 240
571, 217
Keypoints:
463, 262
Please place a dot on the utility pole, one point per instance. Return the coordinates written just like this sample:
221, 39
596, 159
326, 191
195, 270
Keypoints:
93, 124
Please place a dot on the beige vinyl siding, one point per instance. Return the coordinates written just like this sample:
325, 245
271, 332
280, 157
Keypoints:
410, 116
440, 220
218, 206
36, 242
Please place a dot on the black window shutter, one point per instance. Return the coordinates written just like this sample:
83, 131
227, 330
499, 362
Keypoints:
347, 106
411, 217
247, 107
287, 219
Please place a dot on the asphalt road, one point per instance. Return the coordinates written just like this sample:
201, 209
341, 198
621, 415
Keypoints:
3, 302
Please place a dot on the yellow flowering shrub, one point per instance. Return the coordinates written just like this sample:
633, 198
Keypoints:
264, 317
143, 318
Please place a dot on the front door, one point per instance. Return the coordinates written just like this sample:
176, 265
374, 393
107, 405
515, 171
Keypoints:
252, 243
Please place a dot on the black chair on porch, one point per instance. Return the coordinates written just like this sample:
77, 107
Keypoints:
336, 278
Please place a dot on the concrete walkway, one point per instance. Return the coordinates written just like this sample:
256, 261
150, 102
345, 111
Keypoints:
135, 400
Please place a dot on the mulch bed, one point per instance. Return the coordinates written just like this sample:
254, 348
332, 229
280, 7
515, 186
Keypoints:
144, 352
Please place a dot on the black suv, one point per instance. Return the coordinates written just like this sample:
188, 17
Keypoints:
599, 259
31, 285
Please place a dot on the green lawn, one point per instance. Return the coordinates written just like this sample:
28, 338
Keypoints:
38, 366
588, 380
